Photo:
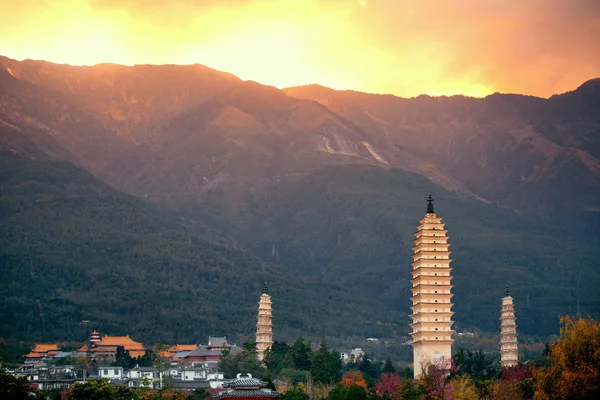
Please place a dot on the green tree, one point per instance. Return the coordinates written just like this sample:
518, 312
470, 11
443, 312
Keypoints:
100, 390
275, 356
245, 362
299, 353
369, 369
295, 392
388, 367
326, 365
123, 358
15, 388
476, 364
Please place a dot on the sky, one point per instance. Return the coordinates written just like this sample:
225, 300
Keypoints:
402, 47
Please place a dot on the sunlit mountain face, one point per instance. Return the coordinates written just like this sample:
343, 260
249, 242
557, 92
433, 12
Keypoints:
407, 48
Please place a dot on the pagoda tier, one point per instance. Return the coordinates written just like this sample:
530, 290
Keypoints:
432, 334
264, 325
509, 349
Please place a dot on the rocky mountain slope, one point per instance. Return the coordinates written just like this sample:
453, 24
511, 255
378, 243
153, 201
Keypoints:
330, 184
530, 154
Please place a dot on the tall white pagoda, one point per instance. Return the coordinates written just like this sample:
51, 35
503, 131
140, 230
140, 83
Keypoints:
509, 351
431, 293
264, 326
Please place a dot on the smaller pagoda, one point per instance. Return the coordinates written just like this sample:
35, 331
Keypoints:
264, 324
247, 388
509, 352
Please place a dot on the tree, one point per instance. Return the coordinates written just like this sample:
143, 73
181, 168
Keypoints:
574, 371
436, 381
15, 388
326, 365
388, 367
295, 392
299, 354
463, 388
123, 358
388, 384
100, 390
354, 378
275, 356
245, 362
475, 363
369, 370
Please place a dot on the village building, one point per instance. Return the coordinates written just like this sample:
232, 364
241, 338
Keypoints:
176, 353
509, 350
208, 355
431, 294
42, 352
111, 373
106, 348
264, 324
247, 388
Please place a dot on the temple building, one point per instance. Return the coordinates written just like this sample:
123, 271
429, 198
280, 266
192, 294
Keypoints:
431, 293
42, 352
106, 348
509, 352
264, 325
246, 388
209, 355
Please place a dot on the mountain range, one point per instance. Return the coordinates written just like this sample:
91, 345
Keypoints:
167, 194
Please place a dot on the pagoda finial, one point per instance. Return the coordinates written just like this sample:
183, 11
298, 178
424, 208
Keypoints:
507, 291
430, 204
265, 288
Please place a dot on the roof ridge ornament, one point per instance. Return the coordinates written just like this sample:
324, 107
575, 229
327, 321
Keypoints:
430, 204
265, 288
507, 291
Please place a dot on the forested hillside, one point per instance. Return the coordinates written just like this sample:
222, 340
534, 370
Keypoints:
74, 249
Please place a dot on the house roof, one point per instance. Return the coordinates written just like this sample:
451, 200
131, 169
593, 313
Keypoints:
125, 341
182, 347
44, 347
217, 341
205, 350
246, 393
137, 353
34, 355
245, 383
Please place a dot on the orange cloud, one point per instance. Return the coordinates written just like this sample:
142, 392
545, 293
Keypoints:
470, 47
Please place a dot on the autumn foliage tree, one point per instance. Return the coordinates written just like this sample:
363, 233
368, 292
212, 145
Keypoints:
354, 378
574, 371
388, 384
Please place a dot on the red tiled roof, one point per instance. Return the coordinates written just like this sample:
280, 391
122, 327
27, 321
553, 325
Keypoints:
115, 341
44, 347
182, 347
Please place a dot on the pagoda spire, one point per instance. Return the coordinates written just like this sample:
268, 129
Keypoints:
431, 294
509, 350
264, 324
430, 204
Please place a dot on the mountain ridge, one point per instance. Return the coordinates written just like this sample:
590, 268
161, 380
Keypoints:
329, 185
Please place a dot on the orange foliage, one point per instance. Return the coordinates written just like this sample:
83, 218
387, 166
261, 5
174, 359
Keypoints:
575, 359
354, 378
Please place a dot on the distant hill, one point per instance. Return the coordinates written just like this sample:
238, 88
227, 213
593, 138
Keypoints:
329, 185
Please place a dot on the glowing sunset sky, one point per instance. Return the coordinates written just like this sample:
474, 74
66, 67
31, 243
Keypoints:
473, 47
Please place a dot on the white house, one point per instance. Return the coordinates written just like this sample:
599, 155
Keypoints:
111, 372
144, 377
